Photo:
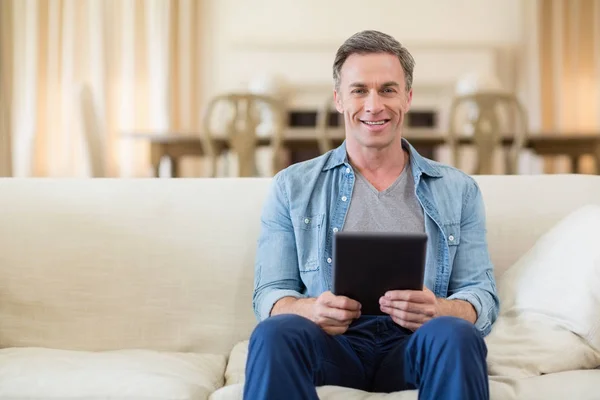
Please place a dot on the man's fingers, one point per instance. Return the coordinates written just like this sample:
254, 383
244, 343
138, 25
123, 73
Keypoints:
325, 321
402, 305
416, 308
405, 315
408, 325
413, 296
335, 330
342, 302
339, 314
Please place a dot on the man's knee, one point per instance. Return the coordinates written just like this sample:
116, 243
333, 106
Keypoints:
456, 331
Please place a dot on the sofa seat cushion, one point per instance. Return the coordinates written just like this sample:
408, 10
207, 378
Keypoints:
580, 385
39, 373
499, 390
235, 392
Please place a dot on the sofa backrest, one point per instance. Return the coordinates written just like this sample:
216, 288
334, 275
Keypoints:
520, 208
167, 264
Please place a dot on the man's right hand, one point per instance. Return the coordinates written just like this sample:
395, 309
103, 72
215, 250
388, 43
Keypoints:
334, 313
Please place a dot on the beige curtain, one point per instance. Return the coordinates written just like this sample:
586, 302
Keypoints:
569, 66
139, 57
5, 89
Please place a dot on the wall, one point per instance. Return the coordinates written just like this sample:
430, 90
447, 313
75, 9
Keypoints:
298, 39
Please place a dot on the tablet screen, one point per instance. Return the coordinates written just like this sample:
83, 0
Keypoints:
367, 265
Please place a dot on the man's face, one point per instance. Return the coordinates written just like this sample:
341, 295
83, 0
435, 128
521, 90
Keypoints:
372, 96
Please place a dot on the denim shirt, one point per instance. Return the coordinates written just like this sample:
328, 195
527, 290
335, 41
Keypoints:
308, 202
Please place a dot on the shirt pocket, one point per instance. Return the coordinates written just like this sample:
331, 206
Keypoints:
308, 241
452, 234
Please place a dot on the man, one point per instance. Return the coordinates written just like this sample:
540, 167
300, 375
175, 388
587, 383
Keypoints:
375, 181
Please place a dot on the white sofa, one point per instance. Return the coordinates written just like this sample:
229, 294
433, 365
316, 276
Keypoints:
141, 289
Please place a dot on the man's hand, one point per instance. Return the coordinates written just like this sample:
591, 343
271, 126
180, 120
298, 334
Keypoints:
334, 313
410, 308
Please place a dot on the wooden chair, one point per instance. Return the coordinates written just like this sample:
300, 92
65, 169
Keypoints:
246, 112
489, 117
322, 125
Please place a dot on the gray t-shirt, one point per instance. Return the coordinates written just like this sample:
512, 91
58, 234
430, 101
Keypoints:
395, 209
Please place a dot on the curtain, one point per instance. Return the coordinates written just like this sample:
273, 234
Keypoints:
5, 89
569, 68
138, 57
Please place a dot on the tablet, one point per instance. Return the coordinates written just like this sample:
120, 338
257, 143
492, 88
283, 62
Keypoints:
367, 265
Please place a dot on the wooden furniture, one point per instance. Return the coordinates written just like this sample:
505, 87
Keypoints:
485, 116
240, 115
323, 132
174, 145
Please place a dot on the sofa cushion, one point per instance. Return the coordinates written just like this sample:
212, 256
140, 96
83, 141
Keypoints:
235, 392
499, 390
550, 303
522, 208
38, 373
236, 365
97, 265
580, 385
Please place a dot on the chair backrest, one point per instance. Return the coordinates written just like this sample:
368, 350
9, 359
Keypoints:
322, 124
490, 117
92, 132
248, 111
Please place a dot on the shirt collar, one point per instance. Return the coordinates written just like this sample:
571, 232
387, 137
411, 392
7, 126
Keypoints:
419, 164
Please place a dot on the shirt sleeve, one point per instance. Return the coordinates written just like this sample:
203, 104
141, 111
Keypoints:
472, 278
276, 273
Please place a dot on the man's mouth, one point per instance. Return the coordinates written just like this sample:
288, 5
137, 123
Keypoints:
374, 123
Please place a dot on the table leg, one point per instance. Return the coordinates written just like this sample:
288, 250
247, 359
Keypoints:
574, 163
174, 167
157, 151
597, 157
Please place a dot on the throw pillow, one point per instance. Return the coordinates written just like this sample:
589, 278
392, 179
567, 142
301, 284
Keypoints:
550, 303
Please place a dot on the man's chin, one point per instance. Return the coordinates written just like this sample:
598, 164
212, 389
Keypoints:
377, 143
379, 140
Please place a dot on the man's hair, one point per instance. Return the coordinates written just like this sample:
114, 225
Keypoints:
369, 42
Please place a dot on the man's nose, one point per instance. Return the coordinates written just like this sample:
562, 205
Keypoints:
373, 104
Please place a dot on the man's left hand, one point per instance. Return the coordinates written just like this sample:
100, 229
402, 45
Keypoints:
410, 308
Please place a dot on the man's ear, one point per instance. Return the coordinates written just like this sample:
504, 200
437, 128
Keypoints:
338, 102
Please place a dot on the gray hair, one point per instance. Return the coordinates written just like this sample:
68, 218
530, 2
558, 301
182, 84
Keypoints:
368, 42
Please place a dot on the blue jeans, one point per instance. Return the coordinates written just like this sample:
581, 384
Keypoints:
290, 355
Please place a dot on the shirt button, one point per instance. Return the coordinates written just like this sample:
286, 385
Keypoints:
335, 229
306, 221
344, 198
451, 238
329, 260
347, 170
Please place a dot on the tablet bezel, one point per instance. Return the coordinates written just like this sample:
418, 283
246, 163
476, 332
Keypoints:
357, 255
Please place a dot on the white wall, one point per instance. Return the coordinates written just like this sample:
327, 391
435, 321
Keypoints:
423, 20
298, 39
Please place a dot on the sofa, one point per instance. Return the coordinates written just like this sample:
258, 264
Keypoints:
141, 288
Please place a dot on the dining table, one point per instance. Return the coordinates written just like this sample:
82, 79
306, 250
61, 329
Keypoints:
304, 142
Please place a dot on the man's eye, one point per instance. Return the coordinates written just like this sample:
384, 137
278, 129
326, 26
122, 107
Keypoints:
359, 91
389, 90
